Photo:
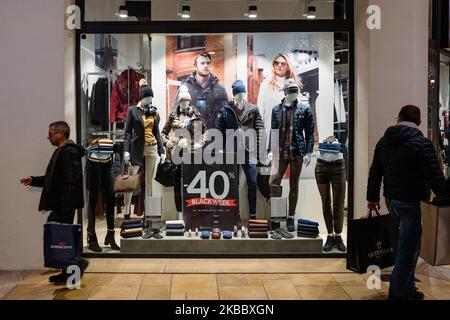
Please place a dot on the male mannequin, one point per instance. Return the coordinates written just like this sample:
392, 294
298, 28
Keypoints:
142, 141
295, 122
240, 114
330, 178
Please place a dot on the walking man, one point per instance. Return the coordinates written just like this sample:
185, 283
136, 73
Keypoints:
406, 162
62, 184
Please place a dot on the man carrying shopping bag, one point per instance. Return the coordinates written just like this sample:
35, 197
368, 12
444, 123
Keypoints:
407, 163
62, 184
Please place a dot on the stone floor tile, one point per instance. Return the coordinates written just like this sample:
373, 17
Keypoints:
231, 280
362, 293
243, 293
322, 293
33, 292
256, 279
313, 279
114, 292
182, 283
119, 279
280, 290
350, 279
154, 293
158, 280
178, 296
437, 292
212, 295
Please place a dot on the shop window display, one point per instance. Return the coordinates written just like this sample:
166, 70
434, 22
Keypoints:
275, 104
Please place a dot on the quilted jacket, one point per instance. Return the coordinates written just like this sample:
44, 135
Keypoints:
406, 162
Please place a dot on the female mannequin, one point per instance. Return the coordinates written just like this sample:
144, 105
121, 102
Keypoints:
142, 141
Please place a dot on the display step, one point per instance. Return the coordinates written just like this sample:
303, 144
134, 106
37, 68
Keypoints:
195, 245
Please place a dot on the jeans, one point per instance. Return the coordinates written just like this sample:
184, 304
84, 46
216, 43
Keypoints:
250, 175
408, 218
275, 180
330, 176
99, 178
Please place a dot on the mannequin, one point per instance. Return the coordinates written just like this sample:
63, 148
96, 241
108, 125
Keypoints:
295, 122
330, 172
184, 116
240, 114
142, 141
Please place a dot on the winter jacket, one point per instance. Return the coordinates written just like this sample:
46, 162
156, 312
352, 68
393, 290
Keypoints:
208, 100
125, 93
63, 181
229, 119
134, 140
406, 162
303, 122
169, 132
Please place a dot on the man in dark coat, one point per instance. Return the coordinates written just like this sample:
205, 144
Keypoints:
407, 163
207, 94
62, 184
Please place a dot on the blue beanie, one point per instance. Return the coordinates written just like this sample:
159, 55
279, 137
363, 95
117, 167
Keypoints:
238, 86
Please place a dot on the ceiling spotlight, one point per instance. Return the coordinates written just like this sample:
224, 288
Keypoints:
311, 12
123, 12
252, 12
185, 12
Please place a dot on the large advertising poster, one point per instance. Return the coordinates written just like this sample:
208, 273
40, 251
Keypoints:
210, 196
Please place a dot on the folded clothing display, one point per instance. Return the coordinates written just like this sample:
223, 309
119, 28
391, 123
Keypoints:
175, 233
307, 229
131, 221
132, 226
258, 234
131, 233
174, 226
258, 228
309, 222
307, 235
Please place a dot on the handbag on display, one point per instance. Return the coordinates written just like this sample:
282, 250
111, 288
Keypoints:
62, 244
371, 242
165, 173
127, 183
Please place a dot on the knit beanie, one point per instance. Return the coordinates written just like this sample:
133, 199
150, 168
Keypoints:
290, 86
238, 87
184, 95
145, 92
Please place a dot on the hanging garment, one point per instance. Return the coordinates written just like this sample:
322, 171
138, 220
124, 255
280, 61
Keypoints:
125, 93
99, 103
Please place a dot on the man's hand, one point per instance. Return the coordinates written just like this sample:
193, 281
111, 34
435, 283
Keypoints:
373, 205
183, 143
126, 156
26, 181
163, 157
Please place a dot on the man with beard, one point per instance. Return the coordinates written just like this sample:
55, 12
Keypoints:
207, 95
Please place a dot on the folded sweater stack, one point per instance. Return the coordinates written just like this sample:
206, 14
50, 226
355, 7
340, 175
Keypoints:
307, 229
258, 228
175, 228
131, 228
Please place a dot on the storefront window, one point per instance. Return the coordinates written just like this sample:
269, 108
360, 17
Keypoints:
205, 80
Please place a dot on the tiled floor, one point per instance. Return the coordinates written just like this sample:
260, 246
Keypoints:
203, 279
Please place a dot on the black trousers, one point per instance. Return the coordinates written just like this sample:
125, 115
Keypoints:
330, 178
178, 188
99, 178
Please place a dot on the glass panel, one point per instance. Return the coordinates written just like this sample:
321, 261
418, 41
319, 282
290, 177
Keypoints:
444, 123
169, 10
201, 71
